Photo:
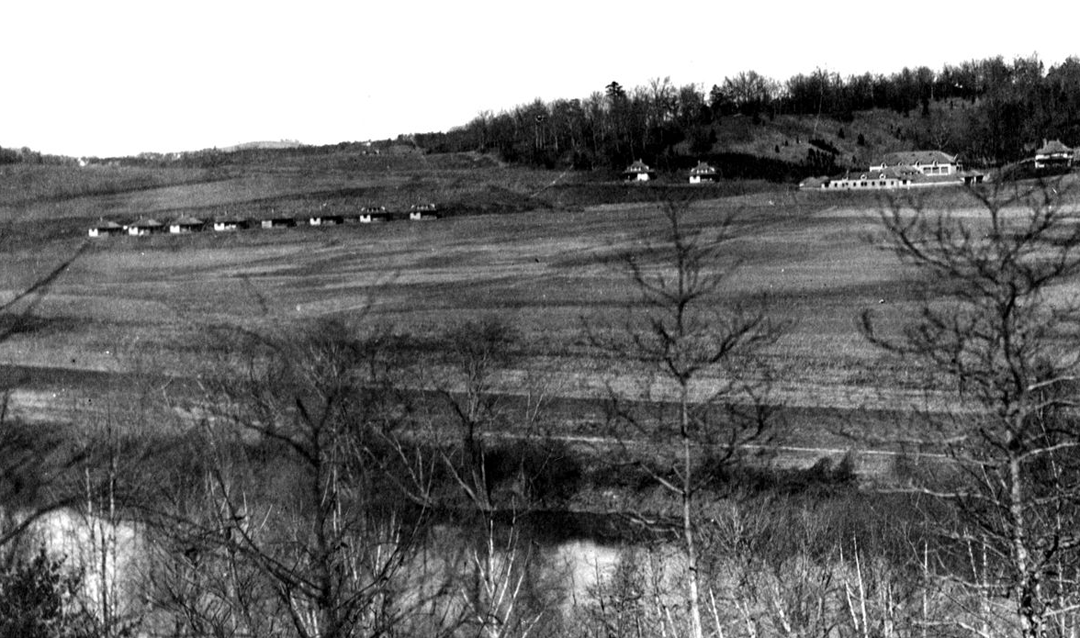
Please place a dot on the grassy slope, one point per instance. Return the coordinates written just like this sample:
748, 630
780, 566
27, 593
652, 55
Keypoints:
883, 131
136, 304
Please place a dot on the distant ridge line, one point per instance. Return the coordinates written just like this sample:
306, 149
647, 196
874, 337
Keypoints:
262, 145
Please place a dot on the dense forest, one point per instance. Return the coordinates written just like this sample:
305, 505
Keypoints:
992, 112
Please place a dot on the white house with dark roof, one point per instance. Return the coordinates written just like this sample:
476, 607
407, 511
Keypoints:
326, 219
926, 162
186, 224
703, 173
419, 212
145, 226
105, 229
639, 171
370, 214
1053, 154
277, 221
229, 223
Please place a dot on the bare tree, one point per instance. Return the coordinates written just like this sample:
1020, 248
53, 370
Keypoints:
996, 338
474, 355
298, 489
694, 352
35, 461
496, 462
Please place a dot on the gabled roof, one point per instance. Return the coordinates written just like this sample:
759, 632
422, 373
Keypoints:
1053, 146
187, 220
918, 158
145, 222
107, 225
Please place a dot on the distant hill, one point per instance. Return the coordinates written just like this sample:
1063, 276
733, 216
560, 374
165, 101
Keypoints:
263, 145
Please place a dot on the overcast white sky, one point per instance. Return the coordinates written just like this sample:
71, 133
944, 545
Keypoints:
115, 77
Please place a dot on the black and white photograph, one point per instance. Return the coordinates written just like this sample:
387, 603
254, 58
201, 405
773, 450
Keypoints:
613, 319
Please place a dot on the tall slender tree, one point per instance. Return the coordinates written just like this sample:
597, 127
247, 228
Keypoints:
692, 355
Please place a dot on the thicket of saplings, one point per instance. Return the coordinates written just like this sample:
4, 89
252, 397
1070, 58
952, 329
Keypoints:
319, 494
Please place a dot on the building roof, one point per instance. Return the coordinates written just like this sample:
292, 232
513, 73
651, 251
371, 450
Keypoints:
638, 167
903, 171
145, 222
107, 225
187, 220
703, 169
1053, 146
917, 158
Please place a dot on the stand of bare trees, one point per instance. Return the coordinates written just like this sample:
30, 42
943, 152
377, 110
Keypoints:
702, 383
341, 482
996, 340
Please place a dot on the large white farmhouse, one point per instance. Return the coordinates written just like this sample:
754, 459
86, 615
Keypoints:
926, 162
1053, 154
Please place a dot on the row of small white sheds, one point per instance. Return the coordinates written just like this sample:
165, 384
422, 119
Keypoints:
187, 224
148, 226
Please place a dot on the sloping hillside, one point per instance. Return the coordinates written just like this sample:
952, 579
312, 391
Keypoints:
856, 141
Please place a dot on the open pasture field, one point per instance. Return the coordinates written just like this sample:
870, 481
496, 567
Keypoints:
131, 305
547, 271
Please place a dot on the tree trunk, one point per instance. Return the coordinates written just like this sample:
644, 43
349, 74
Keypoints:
694, 601
1029, 607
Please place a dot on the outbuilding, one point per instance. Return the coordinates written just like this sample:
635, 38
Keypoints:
423, 211
105, 229
326, 219
186, 224
145, 226
369, 214
277, 222
229, 223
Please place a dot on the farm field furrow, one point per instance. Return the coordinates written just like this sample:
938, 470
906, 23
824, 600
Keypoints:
134, 304
128, 305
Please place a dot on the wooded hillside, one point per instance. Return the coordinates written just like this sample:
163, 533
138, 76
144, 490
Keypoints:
992, 112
